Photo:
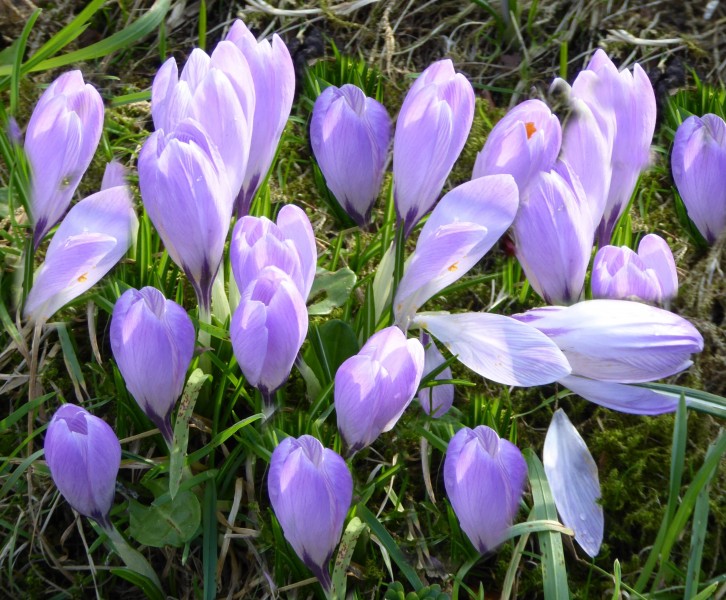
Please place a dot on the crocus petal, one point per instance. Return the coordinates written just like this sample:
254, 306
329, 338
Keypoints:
620, 274
630, 399
656, 254
437, 400
497, 347
295, 226
572, 477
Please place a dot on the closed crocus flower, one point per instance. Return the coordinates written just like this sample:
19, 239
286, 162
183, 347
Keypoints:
83, 456
152, 340
650, 275
218, 93
437, 400
699, 171
268, 328
349, 134
188, 198
310, 490
431, 130
273, 76
484, 478
94, 235
374, 387
62, 136
288, 245
624, 105
527, 140
553, 235
610, 343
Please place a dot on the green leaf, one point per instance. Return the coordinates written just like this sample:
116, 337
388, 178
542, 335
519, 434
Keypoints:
143, 583
336, 286
330, 345
345, 553
171, 524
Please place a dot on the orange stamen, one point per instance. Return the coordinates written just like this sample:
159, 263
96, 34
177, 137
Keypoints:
530, 129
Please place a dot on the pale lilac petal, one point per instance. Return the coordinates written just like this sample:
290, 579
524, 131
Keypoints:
296, 227
625, 398
656, 254
620, 274
437, 400
114, 175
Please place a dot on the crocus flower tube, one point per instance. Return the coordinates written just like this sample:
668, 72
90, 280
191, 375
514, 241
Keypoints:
484, 478
374, 387
431, 131
62, 136
152, 340
273, 76
699, 171
350, 134
437, 400
310, 490
83, 455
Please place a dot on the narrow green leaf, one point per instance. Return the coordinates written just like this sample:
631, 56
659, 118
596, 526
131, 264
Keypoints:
695, 399
209, 543
24, 409
345, 552
19, 53
143, 583
18, 473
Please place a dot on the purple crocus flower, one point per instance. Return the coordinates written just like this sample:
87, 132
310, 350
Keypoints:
188, 198
699, 171
268, 328
431, 130
650, 275
526, 140
152, 340
93, 237
374, 387
350, 134
83, 456
611, 343
273, 76
289, 245
484, 477
218, 93
624, 105
437, 400
62, 136
310, 490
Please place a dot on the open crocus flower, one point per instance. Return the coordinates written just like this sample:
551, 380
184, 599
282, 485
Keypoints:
650, 275
62, 136
310, 490
374, 387
288, 245
273, 76
152, 340
83, 455
526, 140
611, 343
431, 131
484, 477
219, 94
350, 134
699, 171
93, 237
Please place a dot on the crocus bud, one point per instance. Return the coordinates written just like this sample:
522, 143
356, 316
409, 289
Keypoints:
152, 340
484, 478
83, 456
62, 136
273, 76
288, 245
218, 93
268, 328
374, 387
527, 140
699, 171
431, 130
624, 105
553, 235
310, 490
187, 196
650, 275
437, 400
93, 237
349, 134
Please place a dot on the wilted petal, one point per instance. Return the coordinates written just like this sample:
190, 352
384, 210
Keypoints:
572, 476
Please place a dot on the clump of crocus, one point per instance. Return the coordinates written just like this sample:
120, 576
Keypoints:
650, 275
699, 171
484, 478
431, 130
437, 400
83, 455
374, 387
273, 76
62, 136
93, 237
350, 134
310, 490
152, 340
